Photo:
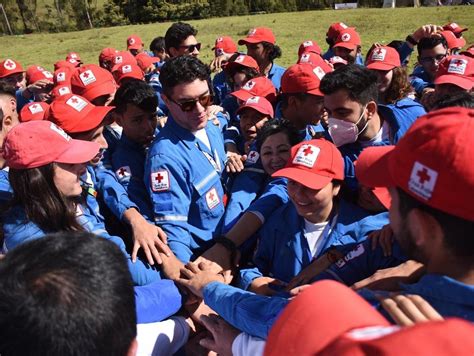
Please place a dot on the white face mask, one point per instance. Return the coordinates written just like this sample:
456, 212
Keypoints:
344, 132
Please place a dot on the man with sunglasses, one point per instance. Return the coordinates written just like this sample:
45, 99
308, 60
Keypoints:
185, 162
180, 39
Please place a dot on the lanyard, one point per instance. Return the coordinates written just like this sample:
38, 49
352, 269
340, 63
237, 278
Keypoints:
214, 161
326, 232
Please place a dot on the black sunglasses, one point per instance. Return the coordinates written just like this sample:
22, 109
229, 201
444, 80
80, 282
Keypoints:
189, 105
437, 58
191, 48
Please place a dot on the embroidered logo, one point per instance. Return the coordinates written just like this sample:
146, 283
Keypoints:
306, 156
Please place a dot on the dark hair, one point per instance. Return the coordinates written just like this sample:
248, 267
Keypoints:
135, 92
177, 33
397, 44
431, 42
66, 294
400, 86
284, 97
7, 89
35, 191
273, 51
359, 82
158, 44
457, 231
275, 126
181, 70
462, 99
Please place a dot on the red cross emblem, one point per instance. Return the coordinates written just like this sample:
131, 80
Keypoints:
9, 64
35, 107
159, 178
307, 151
122, 171
252, 154
379, 51
423, 176
458, 63
74, 100
85, 75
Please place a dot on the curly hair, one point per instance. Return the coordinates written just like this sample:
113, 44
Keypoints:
399, 87
181, 70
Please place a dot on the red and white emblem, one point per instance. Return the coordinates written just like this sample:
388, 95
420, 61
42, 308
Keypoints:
212, 198
457, 66
76, 103
252, 100
252, 157
160, 181
131, 41
123, 172
319, 72
345, 37
306, 156
60, 131
64, 90
87, 77
127, 69
305, 58
307, 44
35, 108
422, 180
118, 59
240, 59
9, 64
61, 77
249, 85
252, 32
379, 54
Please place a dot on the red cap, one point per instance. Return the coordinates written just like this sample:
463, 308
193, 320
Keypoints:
259, 104
452, 40
35, 73
224, 44
309, 47
37, 143
457, 70
63, 64
383, 58
92, 81
348, 38
455, 28
316, 61
134, 42
107, 55
244, 61
335, 29
431, 162
123, 57
335, 60
33, 111
60, 90
9, 67
318, 316
144, 61
74, 57
304, 78
62, 76
257, 35
123, 71
313, 164
260, 86
74, 113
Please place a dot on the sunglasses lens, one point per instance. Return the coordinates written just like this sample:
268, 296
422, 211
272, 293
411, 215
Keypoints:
188, 106
198, 46
205, 100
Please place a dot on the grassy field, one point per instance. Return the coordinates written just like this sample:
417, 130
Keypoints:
382, 25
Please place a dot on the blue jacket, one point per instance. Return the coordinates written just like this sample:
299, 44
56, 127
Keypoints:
183, 179
128, 163
275, 74
153, 80
6, 192
362, 262
221, 88
420, 80
283, 250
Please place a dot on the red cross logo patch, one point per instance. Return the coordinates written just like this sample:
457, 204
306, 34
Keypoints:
306, 156
61, 77
252, 157
239, 59
118, 59
9, 64
305, 58
35, 108
307, 43
249, 85
127, 69
87, 77
64, 90
131, 41
345, 37
160, 181
319, 72
212, 198
123, 172
457, 66
76, 103
379, 54
422, 180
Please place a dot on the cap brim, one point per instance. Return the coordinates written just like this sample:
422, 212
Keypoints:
372, 167
250, 40
317, 317
304, 177
380, 66
134, 46
316, 91
15, 71
383, 196
347, 45
94, 119
105, 88
79, 151
242, 94
259, 109
464, 83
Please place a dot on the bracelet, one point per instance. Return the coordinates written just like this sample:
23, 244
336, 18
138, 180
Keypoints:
227, 243
411, 40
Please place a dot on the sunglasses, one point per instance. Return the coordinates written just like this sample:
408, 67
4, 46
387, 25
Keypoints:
189, 105
192, 47
437, 58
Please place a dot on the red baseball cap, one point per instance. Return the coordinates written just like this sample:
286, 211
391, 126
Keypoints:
257, 35
63, 64
123, 57
62, 76
74, 113
242, 60
37, 143
383, 58
35, 73
9, 67
144, 60
431, 162
134, 42
73, 56
259, 104
452, 40
260, 86
457, 70
107, 55
224, 44
91, 81
313, 164
335, 29
309, 47
60, 90
348, 38
34, 111
304, 78
455, 28
122, 71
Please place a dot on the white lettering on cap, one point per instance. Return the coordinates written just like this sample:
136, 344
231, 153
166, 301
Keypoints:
76, 103
306, 156
457, 66
422, 180
87, 77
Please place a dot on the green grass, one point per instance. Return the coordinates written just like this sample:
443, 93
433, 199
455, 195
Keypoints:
381, 25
